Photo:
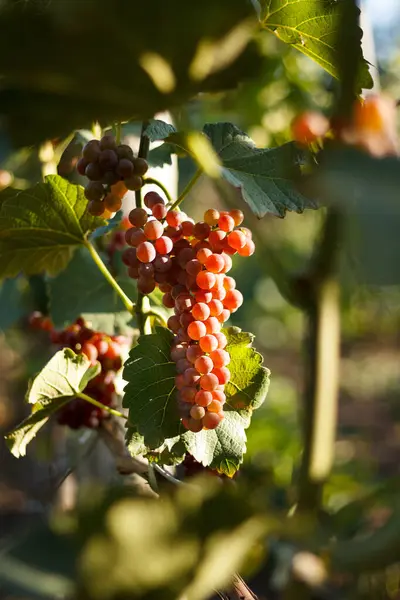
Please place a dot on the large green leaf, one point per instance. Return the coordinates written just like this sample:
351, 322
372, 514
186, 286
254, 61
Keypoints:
82, 290
48, 92
150, 396
264, 176
313, 26
366, 190
64, 376
41, 227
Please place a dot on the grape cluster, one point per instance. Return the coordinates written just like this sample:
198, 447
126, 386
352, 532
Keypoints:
189, 263
98, 347
112, 170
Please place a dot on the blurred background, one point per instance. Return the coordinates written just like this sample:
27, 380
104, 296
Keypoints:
368, 440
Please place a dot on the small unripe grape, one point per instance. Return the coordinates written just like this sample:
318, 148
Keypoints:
204, 364
211, 420
226, 223
159, 211
233, 300
125, 168
216, 239
221, 340
237, 216
193, 352
187, 228
205, 280
212, 325
178, 352
191, 377
151, 199
214, 263
133, 183
229, 283
164, 245
146, 286
209, 382
146, 252
107, 142
220, 358
224, 316
216, 307
200, 311
96, 208
173, 218
168, 300
182, 365
248, 249
219, 396
112, 203
93, 171
223, 374
91, 151
196, 330
140, 166
94, 190
153, 230
197, 412
211, 217
203, 254
188, 394
203, 398
209, 342
203, 296
173, 323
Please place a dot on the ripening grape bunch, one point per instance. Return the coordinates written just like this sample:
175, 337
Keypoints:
112, 170
189, 263
97, 347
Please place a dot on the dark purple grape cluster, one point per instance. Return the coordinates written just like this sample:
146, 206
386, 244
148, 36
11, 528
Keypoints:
112, 170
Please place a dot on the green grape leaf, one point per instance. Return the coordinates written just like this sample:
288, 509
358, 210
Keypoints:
312, 26
65, 375
41, 227
150, 396
159, 130
157, 68
82, 290
162, 155
264, 176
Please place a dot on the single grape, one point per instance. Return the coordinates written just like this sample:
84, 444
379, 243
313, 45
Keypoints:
96, 208
236, 239
90, 351
145, 285
153, 230
203, 254
216, 307
159, 211
107, 142
129, 257
203, 296
223, 374
112, 203
165, 287
211, 217
182, 335
133, 272
124, 151
248, 249
219, 395
218, 293
185, 255
191, 377
185, 319
94, 191
173, 323
182, 365
211, 420
133, 183
196, 330
134, 236
162, 264
188, 394
229, 283
200, 311
216, 239
209, 342
212, 325
220, 358
209, 382
141, 166
184, 302
214, 406
214, 263
177, 290
175, 233
201, 230
151, 199
138, 217
197, 412
81, 166
309, 126
164, 245
233, 300
203, 398
205, 280
178, 351
179, 382
146, 270
187, 228
194, 425
226, 223
204, 364
91, 151
125, 168
173, 218
221, 340
237, 216
146, 252
193, 352
193, 267
224, 316
93, 171
108, 160
184, 409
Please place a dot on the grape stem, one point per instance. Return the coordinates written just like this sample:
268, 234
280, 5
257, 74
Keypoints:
154, 311
111, 280
151, 180
118, 129
142, 304
187, 189
112, 411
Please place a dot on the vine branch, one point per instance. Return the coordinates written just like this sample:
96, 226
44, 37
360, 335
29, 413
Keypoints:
151, 180
110, 410
187, 189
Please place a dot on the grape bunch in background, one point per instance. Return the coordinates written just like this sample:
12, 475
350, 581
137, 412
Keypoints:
99, 348
189, 263
112, 170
